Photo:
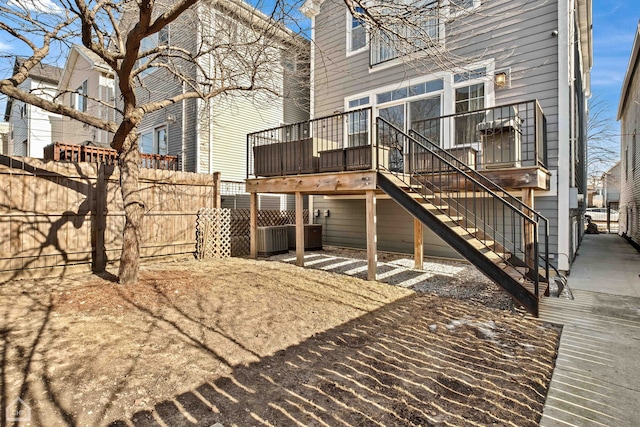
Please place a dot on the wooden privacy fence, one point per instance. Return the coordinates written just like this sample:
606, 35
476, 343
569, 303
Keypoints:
61, 216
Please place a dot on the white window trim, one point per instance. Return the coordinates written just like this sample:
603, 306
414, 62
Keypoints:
447, 93
417, 55
153, 131
365, 48
456, 14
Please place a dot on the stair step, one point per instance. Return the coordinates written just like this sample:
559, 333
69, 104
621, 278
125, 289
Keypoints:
480, 244
449, 219
428, 205
521, 270
496, 258
461, 231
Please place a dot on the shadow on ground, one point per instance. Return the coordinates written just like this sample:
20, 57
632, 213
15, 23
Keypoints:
412, 362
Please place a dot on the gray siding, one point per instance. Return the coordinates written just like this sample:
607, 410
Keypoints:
630, 160
515, 34
210, 135
345, 226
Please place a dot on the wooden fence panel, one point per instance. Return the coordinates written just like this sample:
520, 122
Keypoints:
59, 215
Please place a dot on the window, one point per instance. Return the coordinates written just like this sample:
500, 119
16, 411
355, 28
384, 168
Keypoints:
79, 98
626, 161
468, 98
289, 62
154, 142
422, 32
461, 6
161, 38
423, 118
356, 32
634, 155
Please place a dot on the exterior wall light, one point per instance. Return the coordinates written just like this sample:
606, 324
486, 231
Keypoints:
501, 79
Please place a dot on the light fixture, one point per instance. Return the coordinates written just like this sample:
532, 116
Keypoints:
501, 79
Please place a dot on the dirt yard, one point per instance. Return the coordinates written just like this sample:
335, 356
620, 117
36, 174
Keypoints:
240, 342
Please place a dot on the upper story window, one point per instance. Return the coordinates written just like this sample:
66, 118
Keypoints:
154, 141
356, 32
79, 97
634, 154
463, 5
161, 38
417, 28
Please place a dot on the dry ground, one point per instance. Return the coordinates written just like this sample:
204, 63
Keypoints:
241, 342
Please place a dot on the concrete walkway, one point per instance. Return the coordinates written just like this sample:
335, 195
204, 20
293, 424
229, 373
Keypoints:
597, 377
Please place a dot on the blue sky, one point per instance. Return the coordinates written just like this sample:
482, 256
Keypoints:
614, 26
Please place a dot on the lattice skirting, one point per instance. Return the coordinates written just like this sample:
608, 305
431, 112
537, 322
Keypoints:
213, 230
237, 230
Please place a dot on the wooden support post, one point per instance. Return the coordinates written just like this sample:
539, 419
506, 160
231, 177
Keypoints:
528, 195
217, 183
253, 225
418, 248
299, 230
100, 225
372, 238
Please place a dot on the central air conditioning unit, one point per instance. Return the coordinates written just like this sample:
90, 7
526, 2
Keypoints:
312, 236
501, 133
272, 240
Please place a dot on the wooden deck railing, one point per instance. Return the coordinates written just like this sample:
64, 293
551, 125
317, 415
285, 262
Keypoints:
59, 151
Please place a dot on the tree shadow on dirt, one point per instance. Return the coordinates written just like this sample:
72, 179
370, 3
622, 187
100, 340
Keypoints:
45, 229
412, 362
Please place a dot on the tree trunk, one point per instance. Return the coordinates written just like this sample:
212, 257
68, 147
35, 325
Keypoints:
129, 162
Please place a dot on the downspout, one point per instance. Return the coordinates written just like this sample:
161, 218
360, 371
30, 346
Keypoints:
565, 15
210, 135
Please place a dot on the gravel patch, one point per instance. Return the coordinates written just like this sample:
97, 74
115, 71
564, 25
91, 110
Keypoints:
443, 277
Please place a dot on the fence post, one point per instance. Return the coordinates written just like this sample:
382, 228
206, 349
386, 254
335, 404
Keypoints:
217, 182
99, 255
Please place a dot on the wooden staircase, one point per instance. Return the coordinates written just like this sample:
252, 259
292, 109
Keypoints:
489, 230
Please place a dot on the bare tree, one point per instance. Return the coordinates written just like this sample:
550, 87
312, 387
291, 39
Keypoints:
237, 50
603, 146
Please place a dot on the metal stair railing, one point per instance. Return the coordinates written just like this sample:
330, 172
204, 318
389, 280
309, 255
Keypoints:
543, 222
470, 204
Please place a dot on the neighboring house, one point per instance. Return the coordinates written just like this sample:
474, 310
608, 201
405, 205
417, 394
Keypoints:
33, 128
611, 187
86, 84
456, 154
210, 135
629, 117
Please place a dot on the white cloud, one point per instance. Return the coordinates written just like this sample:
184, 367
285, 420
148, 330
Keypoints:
42, 6
5, 47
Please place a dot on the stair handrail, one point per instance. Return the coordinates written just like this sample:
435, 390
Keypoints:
525, 218
433, 147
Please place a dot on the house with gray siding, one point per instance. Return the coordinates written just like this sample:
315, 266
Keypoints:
509, 52
209, 135
629, 117
459, 131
